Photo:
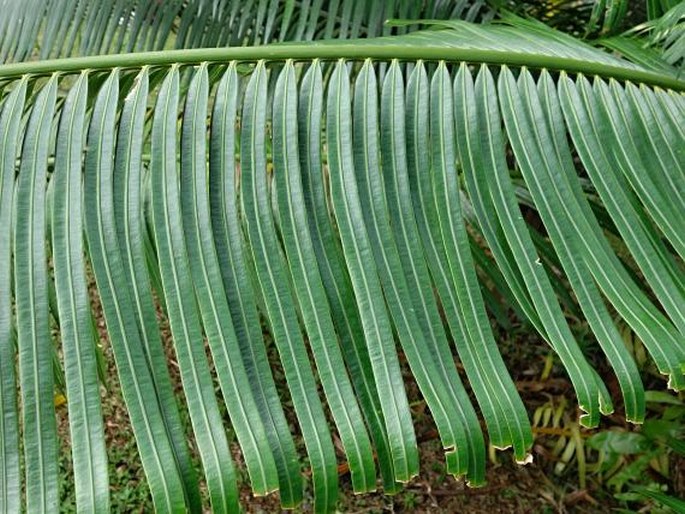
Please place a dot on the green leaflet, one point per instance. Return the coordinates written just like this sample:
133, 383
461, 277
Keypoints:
400, 207
506, 430
10, 487
115, 26
439, 397
473, 159
653, 180
667, 104
658, 334
490, 272
210, 293
642, 152
485, 145
652, 125
33, 331
518, 113
80, 364
497, 398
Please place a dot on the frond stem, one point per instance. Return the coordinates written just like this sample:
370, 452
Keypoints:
332, 50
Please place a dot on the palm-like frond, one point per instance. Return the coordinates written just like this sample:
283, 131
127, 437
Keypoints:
579, 17
319, 185
88, 27
667, 33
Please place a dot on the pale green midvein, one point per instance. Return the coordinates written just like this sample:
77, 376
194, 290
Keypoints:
134, 282
34, 342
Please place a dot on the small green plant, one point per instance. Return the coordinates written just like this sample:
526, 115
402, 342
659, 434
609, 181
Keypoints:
634, 463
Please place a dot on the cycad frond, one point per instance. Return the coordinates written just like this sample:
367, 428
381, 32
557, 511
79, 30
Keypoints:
56, 28
320, 185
